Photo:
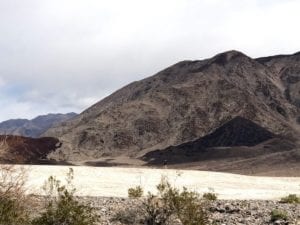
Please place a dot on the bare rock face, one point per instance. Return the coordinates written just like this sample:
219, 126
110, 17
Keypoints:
287, 68
182, 103
17, 149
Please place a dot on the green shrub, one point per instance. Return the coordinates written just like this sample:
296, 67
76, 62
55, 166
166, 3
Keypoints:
184, 205
210, 196
278, 215
136, 192
292, 199
62, 207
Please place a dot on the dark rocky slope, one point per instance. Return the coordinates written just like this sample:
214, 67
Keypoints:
238, 132
17, 149
239, 146
182, 103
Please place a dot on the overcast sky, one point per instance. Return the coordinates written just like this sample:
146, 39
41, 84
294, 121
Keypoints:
65, 55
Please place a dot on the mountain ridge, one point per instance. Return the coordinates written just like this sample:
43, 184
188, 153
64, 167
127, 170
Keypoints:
34, 127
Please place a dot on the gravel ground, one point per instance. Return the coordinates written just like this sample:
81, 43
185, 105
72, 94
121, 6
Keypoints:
223, 212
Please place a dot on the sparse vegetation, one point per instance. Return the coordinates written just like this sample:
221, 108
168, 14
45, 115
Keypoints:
168, 206
136, 192
291, 199
156, 211
278, 215
62, 207
210, 196
13, 202
128, 216
184, 205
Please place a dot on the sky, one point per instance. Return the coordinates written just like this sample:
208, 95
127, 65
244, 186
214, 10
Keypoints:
65, 55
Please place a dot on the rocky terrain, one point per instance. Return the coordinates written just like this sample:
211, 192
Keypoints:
19, 150
121, 211
35, 127
188, 102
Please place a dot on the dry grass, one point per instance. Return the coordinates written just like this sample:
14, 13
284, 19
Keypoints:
14, 203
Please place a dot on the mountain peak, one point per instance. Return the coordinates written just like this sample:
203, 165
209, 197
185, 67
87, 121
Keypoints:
297, 53
228, 56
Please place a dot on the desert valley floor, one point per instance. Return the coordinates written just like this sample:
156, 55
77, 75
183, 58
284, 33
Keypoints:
114, 182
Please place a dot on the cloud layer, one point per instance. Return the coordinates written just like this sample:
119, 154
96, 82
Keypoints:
64, 55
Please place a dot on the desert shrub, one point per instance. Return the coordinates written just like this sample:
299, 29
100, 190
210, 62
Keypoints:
190, 210
210, 196
292, 199
278, 215
13, 201
61, 206
184, 205
156, 211
136, 192
128, 217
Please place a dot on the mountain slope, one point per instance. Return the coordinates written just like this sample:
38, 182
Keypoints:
287, 67
238, 138
35, 127
179, 104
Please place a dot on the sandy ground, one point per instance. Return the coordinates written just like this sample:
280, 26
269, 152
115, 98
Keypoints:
114, 182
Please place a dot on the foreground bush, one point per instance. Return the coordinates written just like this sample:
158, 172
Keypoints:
291, 199
136, 192
210, 196
170, 202
62, 208
128, 216
13, 202
278, 215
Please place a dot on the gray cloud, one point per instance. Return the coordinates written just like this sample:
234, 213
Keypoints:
64, 55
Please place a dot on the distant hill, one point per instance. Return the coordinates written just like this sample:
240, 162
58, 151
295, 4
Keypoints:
35, 127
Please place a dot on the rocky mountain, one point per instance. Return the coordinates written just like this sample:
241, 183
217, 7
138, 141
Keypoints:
17, 149
185, 102
35, 127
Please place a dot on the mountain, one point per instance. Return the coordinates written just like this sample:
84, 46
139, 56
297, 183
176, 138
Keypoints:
17, 149
35, 127
184, 102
